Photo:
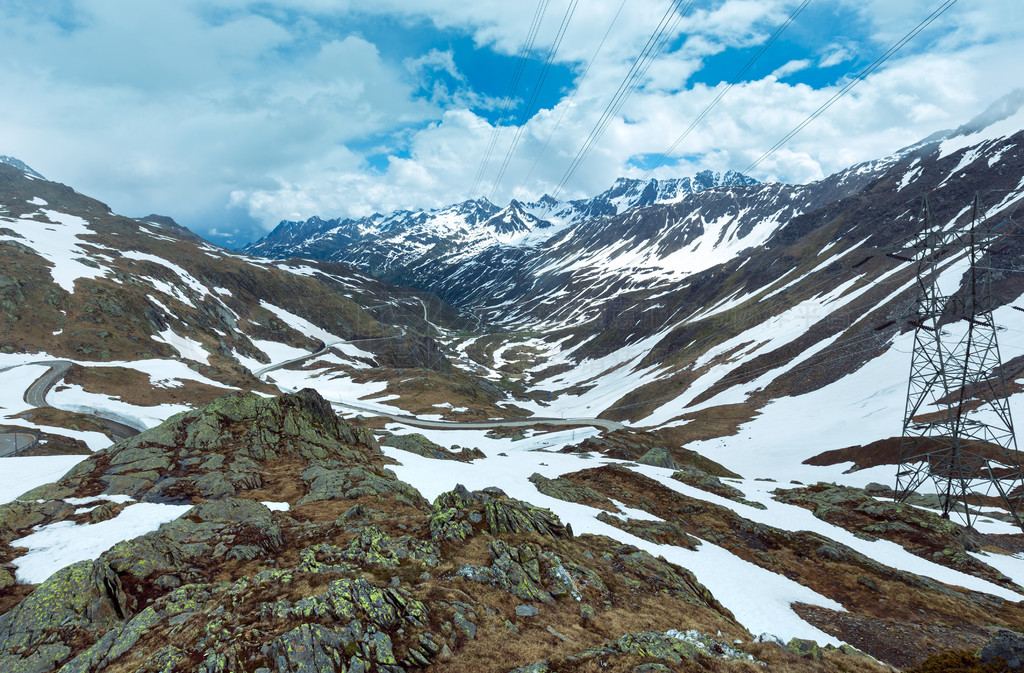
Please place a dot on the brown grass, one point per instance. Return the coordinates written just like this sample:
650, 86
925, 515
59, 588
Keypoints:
135, 387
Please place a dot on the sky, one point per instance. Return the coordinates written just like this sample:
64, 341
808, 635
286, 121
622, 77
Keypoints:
231, 116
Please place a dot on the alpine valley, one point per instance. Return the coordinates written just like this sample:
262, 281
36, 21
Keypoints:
652, 430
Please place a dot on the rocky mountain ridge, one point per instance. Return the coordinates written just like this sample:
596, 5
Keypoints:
349, 568
387, 244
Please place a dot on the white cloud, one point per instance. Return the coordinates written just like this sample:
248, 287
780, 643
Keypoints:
193, 109
790, 67
834, 55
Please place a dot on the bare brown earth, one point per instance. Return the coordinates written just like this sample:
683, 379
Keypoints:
887, 452
135, 387
871, 592
248, 599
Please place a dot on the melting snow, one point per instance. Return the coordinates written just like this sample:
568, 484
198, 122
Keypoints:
60, 544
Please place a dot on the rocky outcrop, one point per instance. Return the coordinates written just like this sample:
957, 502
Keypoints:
230, 447
673, 647
563, 489
919, 531
361, 574
698, 478
421, 446
648, 448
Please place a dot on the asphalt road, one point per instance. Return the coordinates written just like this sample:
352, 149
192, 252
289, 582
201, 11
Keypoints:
35, 396
13, 442
36, 393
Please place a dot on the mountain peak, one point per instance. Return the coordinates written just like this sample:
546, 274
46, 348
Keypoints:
21, 166
1004, 108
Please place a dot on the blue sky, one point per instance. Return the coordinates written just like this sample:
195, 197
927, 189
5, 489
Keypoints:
231, 115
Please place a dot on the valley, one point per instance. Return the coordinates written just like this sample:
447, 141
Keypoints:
615, 427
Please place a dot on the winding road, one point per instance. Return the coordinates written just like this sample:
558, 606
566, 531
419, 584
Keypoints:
12, 443
35, 395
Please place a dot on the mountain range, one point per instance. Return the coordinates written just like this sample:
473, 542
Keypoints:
657, 427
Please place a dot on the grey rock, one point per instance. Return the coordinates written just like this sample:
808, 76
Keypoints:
659, 457
464, 625
1005, 645
527, 611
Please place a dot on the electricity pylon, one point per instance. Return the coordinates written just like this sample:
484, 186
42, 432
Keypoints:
957, 429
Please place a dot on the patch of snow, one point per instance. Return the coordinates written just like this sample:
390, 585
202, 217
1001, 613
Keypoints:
22, 474
58, 244
72, 397
60, 544
190, 349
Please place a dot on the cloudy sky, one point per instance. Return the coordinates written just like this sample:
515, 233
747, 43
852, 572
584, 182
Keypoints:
231, 115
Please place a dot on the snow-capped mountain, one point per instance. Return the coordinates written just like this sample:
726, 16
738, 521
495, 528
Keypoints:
734, 357
388, 245
21, 166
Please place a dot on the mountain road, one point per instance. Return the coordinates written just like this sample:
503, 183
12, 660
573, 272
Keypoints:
35, 395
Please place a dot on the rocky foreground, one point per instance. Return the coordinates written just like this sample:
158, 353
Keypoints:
363, 574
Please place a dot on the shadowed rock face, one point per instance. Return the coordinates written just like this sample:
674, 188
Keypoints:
362, 574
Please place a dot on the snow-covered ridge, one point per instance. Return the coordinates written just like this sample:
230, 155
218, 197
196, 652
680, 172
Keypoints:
473, 225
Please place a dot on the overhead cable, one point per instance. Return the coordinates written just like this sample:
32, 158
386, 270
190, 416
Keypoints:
889, 53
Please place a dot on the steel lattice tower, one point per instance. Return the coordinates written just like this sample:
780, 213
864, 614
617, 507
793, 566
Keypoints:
957, 429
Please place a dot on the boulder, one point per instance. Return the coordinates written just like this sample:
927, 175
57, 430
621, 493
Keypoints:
1007, 646
659, 457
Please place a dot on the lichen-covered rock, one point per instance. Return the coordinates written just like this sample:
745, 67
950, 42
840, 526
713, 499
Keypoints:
564, 489
211, 531
641, 569
672, 646
919, 531
506, 515
221, 449
808, 649
338, 481
20, 515
529, 572
312, 648
420, 445
82, 600
1005, 646
232, 587
659, 456
658, 532
370, 547
458, 513
698, 478
113, 644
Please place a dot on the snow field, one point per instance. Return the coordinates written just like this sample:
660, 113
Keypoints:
57, 242
60, 544
21, 474
732, 580
72, 397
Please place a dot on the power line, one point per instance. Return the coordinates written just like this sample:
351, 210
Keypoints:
711, 106
528, 110
571, 98
891, 51
506, 106
655, 44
